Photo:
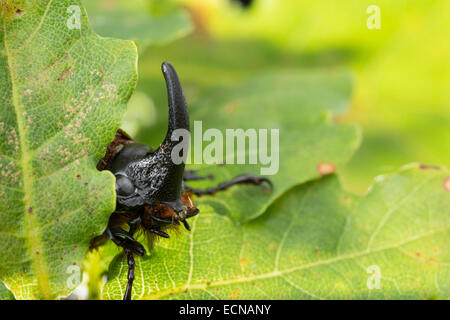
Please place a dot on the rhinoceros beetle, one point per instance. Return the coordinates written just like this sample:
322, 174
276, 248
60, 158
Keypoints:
151, 190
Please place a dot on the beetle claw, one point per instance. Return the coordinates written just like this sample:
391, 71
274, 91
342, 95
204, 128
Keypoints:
186, 225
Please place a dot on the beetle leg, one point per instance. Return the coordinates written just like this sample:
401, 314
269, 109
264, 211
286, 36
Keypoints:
163, 221
116, 231
134, 224
117, 240
130, 278
159, 233
123, 239
130, 246
191, 175
243, 179
189, 214
186, 225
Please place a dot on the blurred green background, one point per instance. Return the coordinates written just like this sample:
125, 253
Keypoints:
401, 72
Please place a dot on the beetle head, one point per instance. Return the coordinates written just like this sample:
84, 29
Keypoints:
156, 176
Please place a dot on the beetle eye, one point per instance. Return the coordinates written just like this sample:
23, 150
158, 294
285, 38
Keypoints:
124, 186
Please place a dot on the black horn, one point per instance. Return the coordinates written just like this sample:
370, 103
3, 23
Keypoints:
178, 112
178, 119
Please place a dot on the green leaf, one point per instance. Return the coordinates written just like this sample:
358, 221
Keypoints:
5, 294
316, 242
300, 105
64, 91
132, 19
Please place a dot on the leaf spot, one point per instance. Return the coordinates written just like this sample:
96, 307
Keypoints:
243, 262
229, 108
425, 167
65, 73
447, 184
325, 168
235, 294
